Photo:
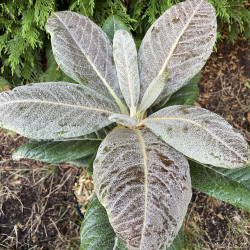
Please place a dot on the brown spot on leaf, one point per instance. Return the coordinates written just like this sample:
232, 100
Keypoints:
175, 20
165, 160
184, 110
169, 129
155, 30
104, 115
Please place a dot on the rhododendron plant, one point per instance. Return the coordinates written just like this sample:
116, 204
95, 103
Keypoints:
141, 173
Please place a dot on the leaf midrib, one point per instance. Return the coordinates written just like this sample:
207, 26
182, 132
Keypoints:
120, 104
178, 39
129, 79
84, 53
145, 165
56, 103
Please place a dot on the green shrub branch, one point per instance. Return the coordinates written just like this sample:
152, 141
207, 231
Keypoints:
24, 41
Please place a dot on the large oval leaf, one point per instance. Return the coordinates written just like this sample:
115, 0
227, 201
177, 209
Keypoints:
57, 151
96, 231
85, 162
76, 150
83, 51
144, 185
230, 185
179, 42
125, 56
201, 135
54, 110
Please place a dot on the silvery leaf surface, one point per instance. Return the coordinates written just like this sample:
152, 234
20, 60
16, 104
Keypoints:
201, 135
186, 95
83, 51
54, 110
153, 91
178, 42
125, 56
123, 120
145, 186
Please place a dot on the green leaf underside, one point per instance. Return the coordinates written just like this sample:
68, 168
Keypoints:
136, 177
125, 56
111, 25
77, 42
178, 242
57, 151
190, 29
229, 185
240, 175
85, 162
96, 232
36, 112
187, 95
201, 135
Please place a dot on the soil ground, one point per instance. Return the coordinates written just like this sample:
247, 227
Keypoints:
37, 208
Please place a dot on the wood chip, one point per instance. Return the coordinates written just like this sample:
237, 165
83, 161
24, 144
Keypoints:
220, 216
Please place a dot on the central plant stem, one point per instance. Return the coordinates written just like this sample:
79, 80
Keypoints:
141, 119
133, 112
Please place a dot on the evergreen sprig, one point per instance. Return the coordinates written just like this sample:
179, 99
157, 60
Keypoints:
24, 42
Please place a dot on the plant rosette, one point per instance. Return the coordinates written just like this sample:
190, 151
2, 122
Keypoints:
141, 173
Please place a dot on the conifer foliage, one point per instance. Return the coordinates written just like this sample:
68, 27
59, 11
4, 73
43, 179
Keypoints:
23, 39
